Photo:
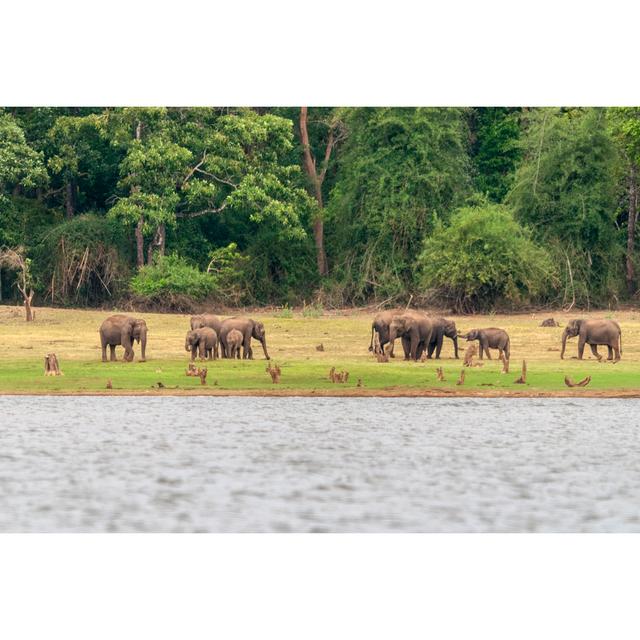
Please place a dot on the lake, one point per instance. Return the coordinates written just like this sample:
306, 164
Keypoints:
257, 464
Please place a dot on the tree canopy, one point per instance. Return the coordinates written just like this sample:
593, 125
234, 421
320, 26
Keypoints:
483, 207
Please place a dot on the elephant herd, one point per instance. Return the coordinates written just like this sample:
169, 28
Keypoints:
421, 333
210, 337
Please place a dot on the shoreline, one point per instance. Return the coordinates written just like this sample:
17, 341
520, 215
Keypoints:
346, 393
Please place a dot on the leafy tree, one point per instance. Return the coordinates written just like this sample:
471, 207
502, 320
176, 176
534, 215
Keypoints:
399, 171
625, 127
567, 190
484, 258
19, 163
495, 149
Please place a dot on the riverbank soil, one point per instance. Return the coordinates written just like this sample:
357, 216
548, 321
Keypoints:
292, 341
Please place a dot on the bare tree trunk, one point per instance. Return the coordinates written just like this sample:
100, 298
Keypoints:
70, 198
158, 242
139, 233
631, 227
316, 182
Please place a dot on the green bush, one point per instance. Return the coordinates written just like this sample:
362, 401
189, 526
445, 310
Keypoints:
484, 256
172, 275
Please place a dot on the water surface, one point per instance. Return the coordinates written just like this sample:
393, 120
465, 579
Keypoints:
322, 464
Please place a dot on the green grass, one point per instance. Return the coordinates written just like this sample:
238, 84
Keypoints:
72, 335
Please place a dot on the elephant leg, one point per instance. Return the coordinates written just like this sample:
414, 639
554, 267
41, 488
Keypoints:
112, 352
486, 348
610, 352
413, 354
391, 354
430, 350
439, 341
104, 350
406, 347
581, 343
194, 352
480, 350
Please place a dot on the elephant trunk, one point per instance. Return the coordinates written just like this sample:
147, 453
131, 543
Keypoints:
372, 332
263, 342
455, 345
565, 335
143, 343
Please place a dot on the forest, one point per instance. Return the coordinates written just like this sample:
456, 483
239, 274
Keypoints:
469, 209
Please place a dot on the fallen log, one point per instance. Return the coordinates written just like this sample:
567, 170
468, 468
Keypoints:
582, 383
274, 372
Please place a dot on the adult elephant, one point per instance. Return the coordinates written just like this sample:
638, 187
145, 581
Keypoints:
594, 333
249, 329
441, 328
414, 328
122, 330
490, 338
208, 320
380, 326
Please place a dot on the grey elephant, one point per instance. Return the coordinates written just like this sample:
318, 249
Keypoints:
414, 328
249, 329
234, 343
122, 330
208, 320
442, 327
490, 338
594, 333
202, 341
380, 325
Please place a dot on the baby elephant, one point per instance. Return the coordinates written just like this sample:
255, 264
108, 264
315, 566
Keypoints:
234, 342
203, 340
491, 338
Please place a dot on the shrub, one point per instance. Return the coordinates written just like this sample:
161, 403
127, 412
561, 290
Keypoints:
171, 276
485, 258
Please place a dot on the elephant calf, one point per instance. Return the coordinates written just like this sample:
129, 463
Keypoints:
491, 338
234, 343
594, 333
203, 340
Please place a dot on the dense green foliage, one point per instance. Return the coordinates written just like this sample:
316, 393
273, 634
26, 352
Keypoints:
484, 258
169, 275
479, 207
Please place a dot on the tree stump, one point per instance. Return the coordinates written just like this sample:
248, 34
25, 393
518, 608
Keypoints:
461, 378
471, 351
382, 357
320, 347
202, 374
440, 374
274, 372
523, 378
51, 366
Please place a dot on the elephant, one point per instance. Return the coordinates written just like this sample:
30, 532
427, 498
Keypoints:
441, 327
122, 330
414, 328
380, 325
594, 333
234, 342
490, 338
208, 320
249, 329
203, 340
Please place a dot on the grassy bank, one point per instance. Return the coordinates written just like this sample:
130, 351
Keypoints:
73, 336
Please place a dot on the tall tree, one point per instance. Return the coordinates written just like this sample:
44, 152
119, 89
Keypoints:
567, 190
316, 176
625, 125
399, 170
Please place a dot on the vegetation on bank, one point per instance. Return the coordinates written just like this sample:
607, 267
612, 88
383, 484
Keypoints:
166, 207
293, 340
